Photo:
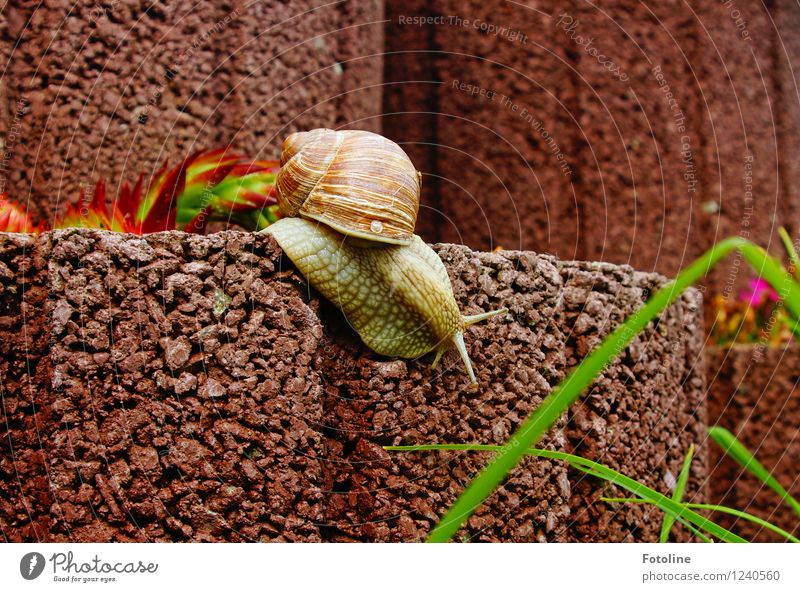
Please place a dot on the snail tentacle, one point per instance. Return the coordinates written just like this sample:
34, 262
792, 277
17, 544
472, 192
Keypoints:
458, 340
439, 353
477, 318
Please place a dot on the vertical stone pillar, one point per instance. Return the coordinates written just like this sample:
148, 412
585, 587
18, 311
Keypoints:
109, 91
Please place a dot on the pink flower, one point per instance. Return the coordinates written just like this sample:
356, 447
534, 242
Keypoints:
758, 293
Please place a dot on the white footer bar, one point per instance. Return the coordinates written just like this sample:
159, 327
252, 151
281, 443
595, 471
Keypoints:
379, 568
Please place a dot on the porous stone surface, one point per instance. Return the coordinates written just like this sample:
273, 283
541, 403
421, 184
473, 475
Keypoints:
678, 122
193, 388
181, 402
753, 392
26, 412
108, 90
640, 416
481, 112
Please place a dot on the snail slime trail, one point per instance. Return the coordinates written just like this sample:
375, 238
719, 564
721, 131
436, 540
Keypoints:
392, 287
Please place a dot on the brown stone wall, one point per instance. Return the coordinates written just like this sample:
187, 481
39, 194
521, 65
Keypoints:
187, 388
493, 179
787, 111
110, 90
410, 103
179, 402
27, 402
184, 408
635, 206
559, 311
596, 167
742, 92
651, 183
754, 394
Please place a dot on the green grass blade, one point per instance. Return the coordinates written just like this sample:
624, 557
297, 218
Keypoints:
731, 445
746, 516
714, 508
638, 500
790, 251
667, 505
771, 270
697, 533
568, 391
664, 503
677, 495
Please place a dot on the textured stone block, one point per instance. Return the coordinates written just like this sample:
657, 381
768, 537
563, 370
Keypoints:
753, 392
112, 90
26, 409
640, 416
180, 403
192, 388
661, 166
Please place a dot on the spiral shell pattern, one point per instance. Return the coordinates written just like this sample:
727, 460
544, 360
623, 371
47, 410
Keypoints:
356, 182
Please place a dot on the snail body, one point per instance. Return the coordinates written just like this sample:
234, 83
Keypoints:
362, 254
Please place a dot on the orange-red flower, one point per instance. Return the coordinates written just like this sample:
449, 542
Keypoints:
214, 185
13, 217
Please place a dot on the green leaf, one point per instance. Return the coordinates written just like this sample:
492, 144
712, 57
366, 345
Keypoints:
677, 495
738, 452
746, 516
581, 377
715, 508
698, 534
667, 505
638, 500
790, 251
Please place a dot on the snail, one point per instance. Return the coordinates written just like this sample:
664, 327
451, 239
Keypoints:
351, 199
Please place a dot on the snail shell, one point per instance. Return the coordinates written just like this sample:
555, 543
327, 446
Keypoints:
398, 298
358, 183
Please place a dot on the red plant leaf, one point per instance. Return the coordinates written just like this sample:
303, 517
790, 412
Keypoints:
252, 200
98, 203
215, 176
197, 225
258, 166
129, 200
163, 211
